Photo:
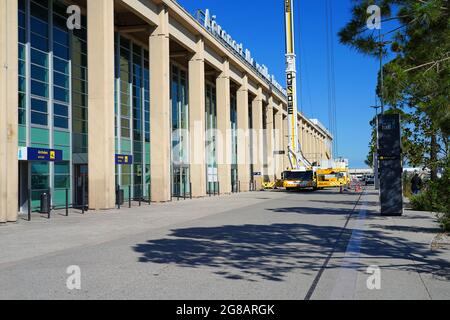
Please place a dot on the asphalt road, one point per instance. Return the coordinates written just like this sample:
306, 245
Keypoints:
265, 245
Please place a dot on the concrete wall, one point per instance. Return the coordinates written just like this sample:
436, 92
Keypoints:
8, 110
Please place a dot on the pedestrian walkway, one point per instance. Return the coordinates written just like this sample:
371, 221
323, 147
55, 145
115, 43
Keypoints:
260, 245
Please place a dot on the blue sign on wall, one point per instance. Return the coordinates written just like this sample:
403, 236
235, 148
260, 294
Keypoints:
124, 159
48, 155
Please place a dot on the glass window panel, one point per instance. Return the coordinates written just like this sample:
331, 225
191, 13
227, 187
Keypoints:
39, 119
61, 94
61, 37
22, 5
59, 21
61, 122
39, 89
39, 42
39, 182
40, 11
62, 168
61, 65
61, 80
39, 73
39, 105
22, 68
39, 27
39, 168
61, 110
61, 51
22, 35
62, 182
22, 19
38, 57
22, 84
22, 100
22, 117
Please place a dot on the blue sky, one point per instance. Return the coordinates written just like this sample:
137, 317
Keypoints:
259, 25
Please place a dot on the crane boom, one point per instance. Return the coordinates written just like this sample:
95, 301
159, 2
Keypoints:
296, 158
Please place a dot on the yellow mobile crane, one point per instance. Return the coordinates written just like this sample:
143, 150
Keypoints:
301, 174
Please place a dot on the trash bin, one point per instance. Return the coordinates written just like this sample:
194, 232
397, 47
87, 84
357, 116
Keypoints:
45, 203
120, 197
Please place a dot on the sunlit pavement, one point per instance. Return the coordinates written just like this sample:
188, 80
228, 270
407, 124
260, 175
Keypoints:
264, 245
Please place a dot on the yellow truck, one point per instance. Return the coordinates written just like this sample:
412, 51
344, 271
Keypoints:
299, 180
332, 178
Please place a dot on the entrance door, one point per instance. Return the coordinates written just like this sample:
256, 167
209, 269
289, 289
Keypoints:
24, 180
81, 183
180, 181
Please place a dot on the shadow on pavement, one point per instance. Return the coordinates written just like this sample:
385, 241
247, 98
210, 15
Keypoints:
271, 252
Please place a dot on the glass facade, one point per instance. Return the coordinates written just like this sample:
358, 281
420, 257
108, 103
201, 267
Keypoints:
47, 57
132, 115
211, 140
180, 136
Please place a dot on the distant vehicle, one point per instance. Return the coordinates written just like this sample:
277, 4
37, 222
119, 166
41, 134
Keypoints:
297, 180
369, 180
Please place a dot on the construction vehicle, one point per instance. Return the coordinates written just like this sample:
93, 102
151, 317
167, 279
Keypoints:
333, 174
301, 173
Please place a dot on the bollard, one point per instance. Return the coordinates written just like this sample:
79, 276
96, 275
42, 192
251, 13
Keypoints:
49, 204
184, 191
140, 195
190, 189
129, 197
67, 202
83, 196
218, 189
118, 197
29, 204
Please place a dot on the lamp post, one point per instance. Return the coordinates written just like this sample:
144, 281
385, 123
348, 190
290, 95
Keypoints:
375, 155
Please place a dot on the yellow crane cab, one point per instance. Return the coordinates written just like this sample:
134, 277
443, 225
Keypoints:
298, 180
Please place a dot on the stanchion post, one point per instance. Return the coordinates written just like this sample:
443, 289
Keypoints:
29, 204
129, 196
67, 202
49, 204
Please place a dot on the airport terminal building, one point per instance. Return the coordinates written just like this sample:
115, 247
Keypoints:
140, 94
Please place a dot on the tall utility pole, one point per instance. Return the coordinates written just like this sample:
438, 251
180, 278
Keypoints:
381, 73
376, 167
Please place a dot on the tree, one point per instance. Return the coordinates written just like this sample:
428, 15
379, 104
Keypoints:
417, 78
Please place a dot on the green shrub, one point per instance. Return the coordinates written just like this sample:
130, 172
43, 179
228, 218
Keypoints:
436, 198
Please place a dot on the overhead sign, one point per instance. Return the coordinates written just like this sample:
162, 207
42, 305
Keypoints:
123, 159
210, 24
46, 155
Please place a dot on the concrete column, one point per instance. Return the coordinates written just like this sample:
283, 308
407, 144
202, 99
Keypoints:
270, 140
258, 138
279, 131
160, 122
224, 128
101, 104
243, 136
197, 120
8, 111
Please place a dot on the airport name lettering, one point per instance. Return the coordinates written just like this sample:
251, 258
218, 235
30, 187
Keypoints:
212, 26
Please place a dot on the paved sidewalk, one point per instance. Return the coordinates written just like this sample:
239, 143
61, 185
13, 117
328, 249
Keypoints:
264, 245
